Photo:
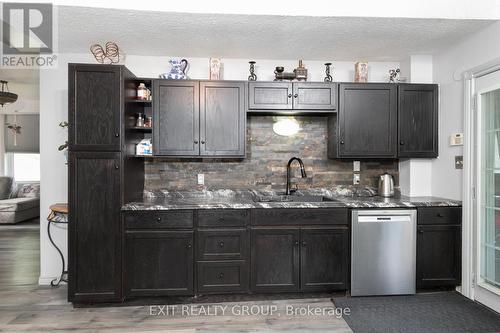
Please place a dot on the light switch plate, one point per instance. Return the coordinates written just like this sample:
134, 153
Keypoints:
201, 179
356, 166
356, 178
459, 162
456, 139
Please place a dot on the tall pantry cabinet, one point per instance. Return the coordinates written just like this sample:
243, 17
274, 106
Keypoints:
98, 166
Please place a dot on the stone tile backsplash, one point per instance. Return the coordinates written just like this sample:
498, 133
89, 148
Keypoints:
265, 164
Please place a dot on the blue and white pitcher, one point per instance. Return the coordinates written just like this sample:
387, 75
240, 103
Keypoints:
178, 70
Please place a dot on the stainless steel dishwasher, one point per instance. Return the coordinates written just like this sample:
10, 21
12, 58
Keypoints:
383, 254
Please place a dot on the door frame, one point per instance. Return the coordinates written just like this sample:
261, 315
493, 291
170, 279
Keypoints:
469, 188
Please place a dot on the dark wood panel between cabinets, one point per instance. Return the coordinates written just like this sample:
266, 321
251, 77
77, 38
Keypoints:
223, 218
300, 216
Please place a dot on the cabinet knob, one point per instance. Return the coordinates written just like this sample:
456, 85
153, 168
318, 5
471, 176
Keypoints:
304, 243
117, 135
439, 215
221, 275
202, 142
296, 95
195, 142
402, 143
420, 231
189, 246
289, 95
117, 166
296, 243
341, 142
158, 219
221, 244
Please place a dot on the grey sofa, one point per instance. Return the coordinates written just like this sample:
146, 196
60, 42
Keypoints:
18, 202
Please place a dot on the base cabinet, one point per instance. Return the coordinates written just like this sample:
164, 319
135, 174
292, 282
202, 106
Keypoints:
303, 259
159, 263
275, 259
439, 247
324, 259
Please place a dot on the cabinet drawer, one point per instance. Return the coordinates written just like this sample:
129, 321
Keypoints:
221, 244
300, 216
439, 215
223, 218
158, 220
222, 276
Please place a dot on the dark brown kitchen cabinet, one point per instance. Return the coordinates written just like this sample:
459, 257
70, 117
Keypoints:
439, 247
366, 125
193, 118
287, 96
314, 96
275, 259
324, 259
94, 231
418, 120
94, 104
159, 263
270, 95
222, 118
176, 118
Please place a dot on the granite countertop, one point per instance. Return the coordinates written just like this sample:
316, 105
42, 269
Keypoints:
247, 199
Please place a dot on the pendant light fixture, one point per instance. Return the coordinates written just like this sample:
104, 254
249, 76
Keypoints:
6, 97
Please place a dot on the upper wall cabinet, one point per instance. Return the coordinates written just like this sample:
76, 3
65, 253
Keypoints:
288, 97
418, 120
222, 119
176, 117
366, 126
94, 107
193, 118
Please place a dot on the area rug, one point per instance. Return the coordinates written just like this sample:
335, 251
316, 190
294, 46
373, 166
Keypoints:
440, 312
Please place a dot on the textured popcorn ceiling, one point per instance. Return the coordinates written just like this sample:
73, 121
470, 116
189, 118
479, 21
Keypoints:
258, 36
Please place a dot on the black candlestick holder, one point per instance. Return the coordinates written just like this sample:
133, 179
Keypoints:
328, 77
252, 76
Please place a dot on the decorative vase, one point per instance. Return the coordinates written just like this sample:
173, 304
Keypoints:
178, 70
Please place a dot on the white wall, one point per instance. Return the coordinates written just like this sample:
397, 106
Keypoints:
475, 50
54, 106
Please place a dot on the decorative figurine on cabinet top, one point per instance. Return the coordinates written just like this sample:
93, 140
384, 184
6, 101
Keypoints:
394, 75
215, 69
178, 70
361, 72
300, 72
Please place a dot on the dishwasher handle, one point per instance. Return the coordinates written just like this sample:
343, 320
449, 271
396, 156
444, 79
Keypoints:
384, 218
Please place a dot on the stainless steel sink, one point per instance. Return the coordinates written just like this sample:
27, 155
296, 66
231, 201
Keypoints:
291, 198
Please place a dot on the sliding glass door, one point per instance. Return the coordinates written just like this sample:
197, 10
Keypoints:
488, 190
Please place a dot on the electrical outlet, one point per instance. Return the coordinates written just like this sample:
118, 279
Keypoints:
356, 166
356, 178
459, 162
201, 179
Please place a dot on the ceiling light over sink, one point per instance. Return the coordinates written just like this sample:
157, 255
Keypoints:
286, 126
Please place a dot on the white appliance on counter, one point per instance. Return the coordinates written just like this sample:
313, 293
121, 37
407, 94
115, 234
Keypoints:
383, 254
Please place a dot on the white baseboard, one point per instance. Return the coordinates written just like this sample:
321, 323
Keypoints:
45, 280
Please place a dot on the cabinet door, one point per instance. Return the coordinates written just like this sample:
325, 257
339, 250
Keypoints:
418, 120
94, 231
159, 263
314, 96
438, 255
270, 95
94, 104
176, 118
275, 259
367, 120
324, 259
222, 119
